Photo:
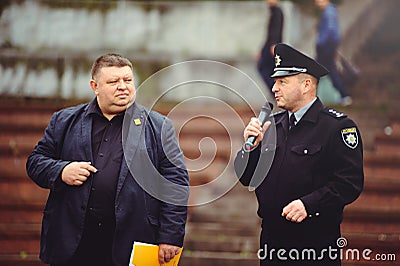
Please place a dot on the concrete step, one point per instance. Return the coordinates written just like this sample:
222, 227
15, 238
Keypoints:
11, 214
20, 122
208, 173
382, 184
380, 243
381, 165
238, 228
222, 243
215, 124
13, 168
21, 259
19, 231
18, 144
388, 144
22, 193
215, 146
19, 237
19, 246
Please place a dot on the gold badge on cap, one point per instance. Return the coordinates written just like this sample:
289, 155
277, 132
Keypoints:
137, 121
277, 60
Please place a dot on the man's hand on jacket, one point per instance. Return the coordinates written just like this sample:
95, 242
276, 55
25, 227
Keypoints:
76, 173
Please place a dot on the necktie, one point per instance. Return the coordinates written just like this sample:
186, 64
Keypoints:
292, 121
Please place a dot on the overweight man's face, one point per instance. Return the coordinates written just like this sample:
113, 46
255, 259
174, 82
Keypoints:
114, 88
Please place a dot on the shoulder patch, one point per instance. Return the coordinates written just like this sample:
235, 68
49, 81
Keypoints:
334, 113
350, 137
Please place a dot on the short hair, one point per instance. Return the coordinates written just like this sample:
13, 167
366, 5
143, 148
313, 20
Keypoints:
109, 60
303, 76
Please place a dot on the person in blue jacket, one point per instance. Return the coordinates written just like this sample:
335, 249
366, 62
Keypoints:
101, 162
328, 41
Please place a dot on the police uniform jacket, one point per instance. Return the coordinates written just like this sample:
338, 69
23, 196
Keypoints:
139, 216
319, 161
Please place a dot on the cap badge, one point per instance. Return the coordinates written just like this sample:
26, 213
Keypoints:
277, 60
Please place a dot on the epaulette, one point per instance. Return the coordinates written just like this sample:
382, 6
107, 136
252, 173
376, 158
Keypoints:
332, 112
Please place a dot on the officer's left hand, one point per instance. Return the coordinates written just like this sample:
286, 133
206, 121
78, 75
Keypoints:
166, 253
295, 211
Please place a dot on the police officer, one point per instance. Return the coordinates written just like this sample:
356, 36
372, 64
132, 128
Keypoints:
310, 160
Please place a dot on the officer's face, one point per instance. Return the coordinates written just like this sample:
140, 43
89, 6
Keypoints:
288, 92
114, 88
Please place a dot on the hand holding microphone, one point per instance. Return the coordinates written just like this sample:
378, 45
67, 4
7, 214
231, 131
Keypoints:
254, 132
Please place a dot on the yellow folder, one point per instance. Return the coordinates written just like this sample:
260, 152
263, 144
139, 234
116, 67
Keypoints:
144, 254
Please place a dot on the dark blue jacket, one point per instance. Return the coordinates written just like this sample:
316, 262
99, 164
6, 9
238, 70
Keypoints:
328, 27
140, 216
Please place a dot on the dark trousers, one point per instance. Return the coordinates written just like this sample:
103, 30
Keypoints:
95, 247
326, 55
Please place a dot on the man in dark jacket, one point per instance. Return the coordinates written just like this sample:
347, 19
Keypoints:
266, 62
93, 158
308, 167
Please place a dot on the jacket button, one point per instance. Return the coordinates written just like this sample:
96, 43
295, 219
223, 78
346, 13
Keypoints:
305, 151
317, 214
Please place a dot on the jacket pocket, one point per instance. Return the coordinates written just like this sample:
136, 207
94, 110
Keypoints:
303, 161
306, 149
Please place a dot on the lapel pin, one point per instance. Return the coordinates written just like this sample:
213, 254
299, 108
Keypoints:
137, 121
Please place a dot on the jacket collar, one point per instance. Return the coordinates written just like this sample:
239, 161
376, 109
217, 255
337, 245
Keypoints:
310, 116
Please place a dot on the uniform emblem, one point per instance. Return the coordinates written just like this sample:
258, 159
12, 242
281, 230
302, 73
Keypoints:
350, 137
277, 60
137, 121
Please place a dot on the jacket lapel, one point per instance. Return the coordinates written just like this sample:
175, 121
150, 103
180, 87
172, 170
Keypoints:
283, 121
133, 131
86, 140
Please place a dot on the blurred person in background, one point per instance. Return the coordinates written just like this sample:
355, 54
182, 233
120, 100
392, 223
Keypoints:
328, 41
266, 61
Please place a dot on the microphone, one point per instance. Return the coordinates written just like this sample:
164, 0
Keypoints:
262, 117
